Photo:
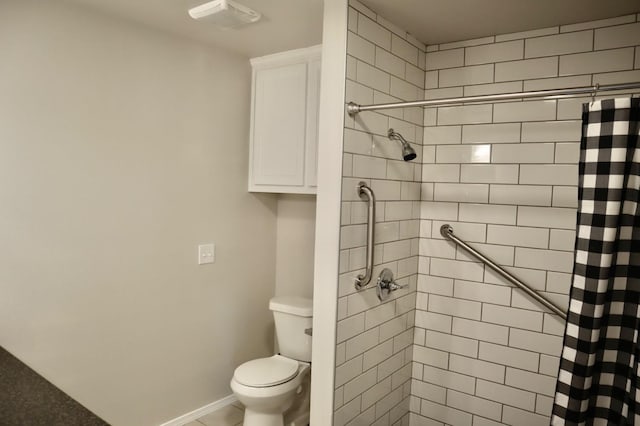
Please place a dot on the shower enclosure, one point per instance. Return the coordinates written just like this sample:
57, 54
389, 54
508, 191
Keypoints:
459, 344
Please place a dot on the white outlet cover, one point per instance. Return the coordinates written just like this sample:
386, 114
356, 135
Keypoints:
206, 253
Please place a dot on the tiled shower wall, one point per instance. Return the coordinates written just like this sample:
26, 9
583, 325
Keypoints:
374, 339
504, 175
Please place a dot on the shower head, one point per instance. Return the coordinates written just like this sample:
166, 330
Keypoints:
408, 153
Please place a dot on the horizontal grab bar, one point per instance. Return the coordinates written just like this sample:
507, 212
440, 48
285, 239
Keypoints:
447, 232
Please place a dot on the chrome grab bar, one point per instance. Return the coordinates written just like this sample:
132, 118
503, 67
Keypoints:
363, 280
447, 232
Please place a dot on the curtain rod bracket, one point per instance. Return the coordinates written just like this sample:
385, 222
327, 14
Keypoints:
353, 108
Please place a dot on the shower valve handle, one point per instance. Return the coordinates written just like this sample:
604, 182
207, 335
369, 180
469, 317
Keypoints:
386, 284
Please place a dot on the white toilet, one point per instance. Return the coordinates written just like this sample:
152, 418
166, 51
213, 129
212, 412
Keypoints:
275, 390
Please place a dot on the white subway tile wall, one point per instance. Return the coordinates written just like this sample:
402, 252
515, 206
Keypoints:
459, 345
374, 348
505, 177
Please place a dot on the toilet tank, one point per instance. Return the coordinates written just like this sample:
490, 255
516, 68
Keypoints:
292, 316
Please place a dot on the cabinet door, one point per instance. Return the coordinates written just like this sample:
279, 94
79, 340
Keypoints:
279, 125
313, 110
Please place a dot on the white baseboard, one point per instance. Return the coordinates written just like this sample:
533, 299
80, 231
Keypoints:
199, 412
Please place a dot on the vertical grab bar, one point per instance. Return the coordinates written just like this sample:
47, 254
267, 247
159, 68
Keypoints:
363, 280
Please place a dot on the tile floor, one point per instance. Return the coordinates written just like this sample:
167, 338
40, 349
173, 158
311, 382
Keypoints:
231, 415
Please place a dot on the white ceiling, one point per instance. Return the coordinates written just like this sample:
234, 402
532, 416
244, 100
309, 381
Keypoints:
290, 24
443, 21
285, 24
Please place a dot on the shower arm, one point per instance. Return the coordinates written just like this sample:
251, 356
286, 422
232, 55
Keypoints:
397, 136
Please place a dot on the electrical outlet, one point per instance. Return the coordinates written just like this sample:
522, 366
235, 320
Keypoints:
206, 253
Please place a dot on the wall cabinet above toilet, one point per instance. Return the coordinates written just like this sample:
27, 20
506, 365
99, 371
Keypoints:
285, 98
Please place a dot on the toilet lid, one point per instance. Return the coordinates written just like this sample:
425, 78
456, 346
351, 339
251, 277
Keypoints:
264, 372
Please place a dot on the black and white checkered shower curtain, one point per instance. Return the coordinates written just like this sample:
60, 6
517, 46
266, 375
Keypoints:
599, 377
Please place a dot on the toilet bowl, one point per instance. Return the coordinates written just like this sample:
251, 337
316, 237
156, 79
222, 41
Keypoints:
269, 388
275, 390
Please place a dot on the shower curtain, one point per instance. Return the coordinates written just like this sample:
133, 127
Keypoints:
598, 378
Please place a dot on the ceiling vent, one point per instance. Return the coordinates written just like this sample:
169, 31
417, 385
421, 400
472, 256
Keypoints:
225, 14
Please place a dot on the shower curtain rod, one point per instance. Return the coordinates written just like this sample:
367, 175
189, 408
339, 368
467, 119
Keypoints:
353, 108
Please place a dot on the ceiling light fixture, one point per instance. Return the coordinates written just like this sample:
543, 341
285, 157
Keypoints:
225, 13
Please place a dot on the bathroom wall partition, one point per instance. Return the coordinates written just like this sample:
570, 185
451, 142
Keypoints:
374, 339
504, 175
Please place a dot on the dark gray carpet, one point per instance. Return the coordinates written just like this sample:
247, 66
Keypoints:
27, 399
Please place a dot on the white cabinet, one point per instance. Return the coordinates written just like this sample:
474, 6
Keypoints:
284, 122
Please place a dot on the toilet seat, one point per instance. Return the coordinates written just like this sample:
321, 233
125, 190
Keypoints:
266, 372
